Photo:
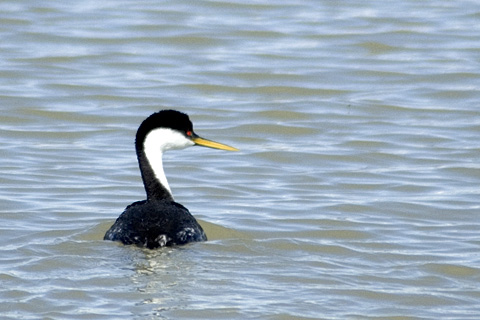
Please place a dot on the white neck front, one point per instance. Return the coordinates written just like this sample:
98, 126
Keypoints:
156, 143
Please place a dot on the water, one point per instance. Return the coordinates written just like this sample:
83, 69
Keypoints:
354, 196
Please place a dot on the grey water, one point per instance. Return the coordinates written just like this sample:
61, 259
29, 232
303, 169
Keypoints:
355, 194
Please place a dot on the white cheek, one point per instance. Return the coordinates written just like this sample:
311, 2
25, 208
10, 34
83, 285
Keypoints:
158, 141
165, 139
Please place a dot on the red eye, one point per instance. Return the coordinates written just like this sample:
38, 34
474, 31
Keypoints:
189, 133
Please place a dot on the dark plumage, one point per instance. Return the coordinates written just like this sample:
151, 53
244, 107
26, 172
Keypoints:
159, 221
156, 223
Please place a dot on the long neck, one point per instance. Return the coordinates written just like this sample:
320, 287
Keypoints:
150, 147
153, 175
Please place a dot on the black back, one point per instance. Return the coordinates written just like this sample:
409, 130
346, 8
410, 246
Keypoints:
154, 224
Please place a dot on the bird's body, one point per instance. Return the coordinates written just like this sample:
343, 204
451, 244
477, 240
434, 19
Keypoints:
159, 221
156, 223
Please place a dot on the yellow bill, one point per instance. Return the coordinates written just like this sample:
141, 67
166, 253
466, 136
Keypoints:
212, 144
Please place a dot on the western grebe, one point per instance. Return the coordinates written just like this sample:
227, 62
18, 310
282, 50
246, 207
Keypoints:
159, 221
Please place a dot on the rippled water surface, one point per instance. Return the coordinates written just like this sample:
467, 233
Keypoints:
355, 194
